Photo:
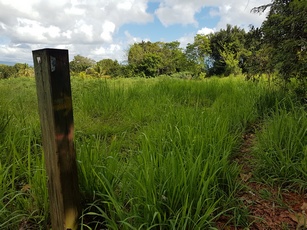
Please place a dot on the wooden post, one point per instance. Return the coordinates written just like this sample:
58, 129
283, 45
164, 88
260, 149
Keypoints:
56, 117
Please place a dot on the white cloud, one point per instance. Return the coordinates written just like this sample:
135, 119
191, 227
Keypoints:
85, 29
56, 23
3, 26
15, 53
98, 52
205, 31
170, 14
185, 40
35, 31
125, 5
189, 38
104, 52
239, 13
234, 12
74, 10
130, 39
67, 34
108, 29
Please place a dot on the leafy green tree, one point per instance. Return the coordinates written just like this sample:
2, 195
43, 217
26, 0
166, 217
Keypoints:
227, 50
198, 55
153, 59
107, 67
80, 63
259, 62
126, 71
135, 54
172, 57
17, 70
23, 70
199, 50
285, 32
257, 55
7, 71
151, 65
231, 60
253, 43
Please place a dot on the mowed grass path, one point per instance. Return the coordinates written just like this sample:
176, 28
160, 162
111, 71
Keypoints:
152, 153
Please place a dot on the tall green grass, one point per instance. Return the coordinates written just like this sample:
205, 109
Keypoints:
166, 164
152, 153
23, 193
281, 148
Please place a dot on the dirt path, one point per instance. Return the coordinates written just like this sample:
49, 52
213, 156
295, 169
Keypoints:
269, 207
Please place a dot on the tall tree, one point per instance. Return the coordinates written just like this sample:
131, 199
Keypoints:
152, 59
173, 58
227, 50
257, 56
7, 71
285, 31
80, 63
23, 70
139, 54
199, 51
150, 65
107, 67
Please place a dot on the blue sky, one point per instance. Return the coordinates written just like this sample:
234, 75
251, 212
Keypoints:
156, 31
105, 29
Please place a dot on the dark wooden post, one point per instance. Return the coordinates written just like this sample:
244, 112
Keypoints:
56, 116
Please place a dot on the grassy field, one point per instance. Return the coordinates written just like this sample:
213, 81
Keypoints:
152, 153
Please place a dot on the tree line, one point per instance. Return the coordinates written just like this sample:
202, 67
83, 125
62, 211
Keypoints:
276, 49
17, 70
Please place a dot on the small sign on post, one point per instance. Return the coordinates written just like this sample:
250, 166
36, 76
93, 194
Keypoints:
56, 117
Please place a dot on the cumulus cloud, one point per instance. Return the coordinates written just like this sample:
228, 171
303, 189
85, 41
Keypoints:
106, 51
108, 29
238, 13
52, 23
189, 38
234, 12
206, 31
185, 40
132, 39
177, 13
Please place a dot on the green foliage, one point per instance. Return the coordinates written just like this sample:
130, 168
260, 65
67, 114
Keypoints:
174, 60
285, 29
231, 60
17, 70
285, 40
227, 45
85, 67
108, 67
259, 62
152, 59
23, 70
197, 55
183, 75
150, 65
80, 63
126, 71
199, 51
6, 71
